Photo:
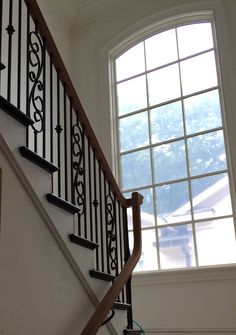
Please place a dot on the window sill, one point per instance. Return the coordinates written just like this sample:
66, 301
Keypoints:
225, 272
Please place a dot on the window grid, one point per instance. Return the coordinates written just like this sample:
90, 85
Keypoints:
189, 177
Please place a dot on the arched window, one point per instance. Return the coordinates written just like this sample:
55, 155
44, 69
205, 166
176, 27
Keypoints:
171, 144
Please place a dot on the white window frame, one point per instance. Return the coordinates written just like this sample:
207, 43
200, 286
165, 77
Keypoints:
162, 25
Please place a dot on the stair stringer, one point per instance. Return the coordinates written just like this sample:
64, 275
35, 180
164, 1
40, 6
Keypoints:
36, 183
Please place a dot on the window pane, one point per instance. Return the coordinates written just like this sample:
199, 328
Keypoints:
170, 161
147, 211
132, 95
133, 131
207, 153
202, 112
163, 85
166, 122
136, 170
131, 62
194, 38
172, 203
216, 242
198, 73
148, 259
176, 247
211, 196
161, 49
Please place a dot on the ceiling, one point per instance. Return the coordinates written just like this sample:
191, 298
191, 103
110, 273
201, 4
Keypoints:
82, 13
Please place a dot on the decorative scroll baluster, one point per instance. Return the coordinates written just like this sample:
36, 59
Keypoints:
36, 95
111, 232
79, 173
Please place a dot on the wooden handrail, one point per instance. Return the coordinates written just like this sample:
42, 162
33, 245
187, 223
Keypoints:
107, 302
58, 63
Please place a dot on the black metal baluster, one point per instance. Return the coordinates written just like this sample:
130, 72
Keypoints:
121, 245
58, 130
27, 74
51, 109
71, 156
44, 97
19, 55
1, 65
95, 205
101, 216
85, 188
90, 190
10, 30
65, 145
127, 256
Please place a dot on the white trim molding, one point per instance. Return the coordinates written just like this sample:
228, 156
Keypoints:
225, 272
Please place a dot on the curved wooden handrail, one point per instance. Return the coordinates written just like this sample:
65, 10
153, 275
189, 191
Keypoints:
58, 63
107, 302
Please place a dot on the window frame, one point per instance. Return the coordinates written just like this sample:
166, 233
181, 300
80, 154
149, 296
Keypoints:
153, 29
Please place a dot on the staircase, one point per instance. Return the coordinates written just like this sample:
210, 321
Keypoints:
58, 158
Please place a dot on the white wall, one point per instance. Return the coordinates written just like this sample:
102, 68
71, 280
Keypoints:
40, 293
60, 29
202, 301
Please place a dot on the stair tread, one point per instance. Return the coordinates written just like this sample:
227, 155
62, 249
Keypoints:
101, 275
61, 203
83, 242
38, 160
14, 112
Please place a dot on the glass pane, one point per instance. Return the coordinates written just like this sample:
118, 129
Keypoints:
148, 259
207, 153
147, 211
198, 73
170, 161
211, 196
202, 112
131, 95
133, 131
176, 247
166, 122
163, 85
136, 170
216, 242
194, 38
172, 203
131, 62
161, 49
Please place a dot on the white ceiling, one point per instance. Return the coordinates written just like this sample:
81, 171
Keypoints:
82, 13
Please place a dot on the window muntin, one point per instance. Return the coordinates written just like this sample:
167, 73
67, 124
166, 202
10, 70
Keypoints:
172, 147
